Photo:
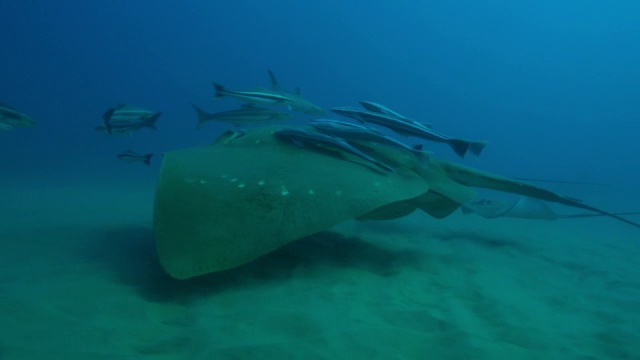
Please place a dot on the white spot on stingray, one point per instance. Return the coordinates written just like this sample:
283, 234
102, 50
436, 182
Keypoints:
224, 176
311, 192
233, 180
284, 191
203, 181
241, 185
338, 192
261, 182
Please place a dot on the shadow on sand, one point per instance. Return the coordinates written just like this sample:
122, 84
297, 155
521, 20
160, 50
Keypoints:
130, 254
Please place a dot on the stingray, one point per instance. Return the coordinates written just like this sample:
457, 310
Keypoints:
221, 206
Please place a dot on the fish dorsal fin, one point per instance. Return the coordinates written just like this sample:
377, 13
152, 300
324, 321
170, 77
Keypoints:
274, 81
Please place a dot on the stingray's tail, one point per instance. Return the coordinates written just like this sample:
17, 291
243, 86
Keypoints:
574, 203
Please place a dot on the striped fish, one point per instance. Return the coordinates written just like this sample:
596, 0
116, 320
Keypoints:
254, 97
11, 118
459, 146
125, 119
131, 156
302, 137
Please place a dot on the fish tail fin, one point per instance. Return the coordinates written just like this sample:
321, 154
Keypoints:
151, 121
272, 78
203, 116
220, 90
107, 119
459, 146
147, 158
476, 147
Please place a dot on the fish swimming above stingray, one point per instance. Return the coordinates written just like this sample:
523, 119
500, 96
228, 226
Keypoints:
214, 212
412, 128
381, 109
303, 137
125, 119
351, 132
11, 118
298, 103
246, 115
260, 96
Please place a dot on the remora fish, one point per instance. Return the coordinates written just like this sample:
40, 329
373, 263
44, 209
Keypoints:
11, 118
246, 115
127, 119
381, 109
298, 103
459, 146
349, 131
315, 138
256, 97
131, 156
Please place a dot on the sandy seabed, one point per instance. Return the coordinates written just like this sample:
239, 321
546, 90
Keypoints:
80, 280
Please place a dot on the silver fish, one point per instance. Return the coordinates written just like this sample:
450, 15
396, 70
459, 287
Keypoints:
298, 103
459, 146
381, 109
246, 115
132, 156
349, 131
11, 118
301, 137
255, 97
125, 119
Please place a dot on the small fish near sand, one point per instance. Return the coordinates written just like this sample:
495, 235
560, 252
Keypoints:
125, 119
261, 96
247, 115
11, 118
131, 156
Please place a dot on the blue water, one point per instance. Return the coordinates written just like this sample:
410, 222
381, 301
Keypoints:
552, 86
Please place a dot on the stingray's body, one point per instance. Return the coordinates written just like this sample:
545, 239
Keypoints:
221, 206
